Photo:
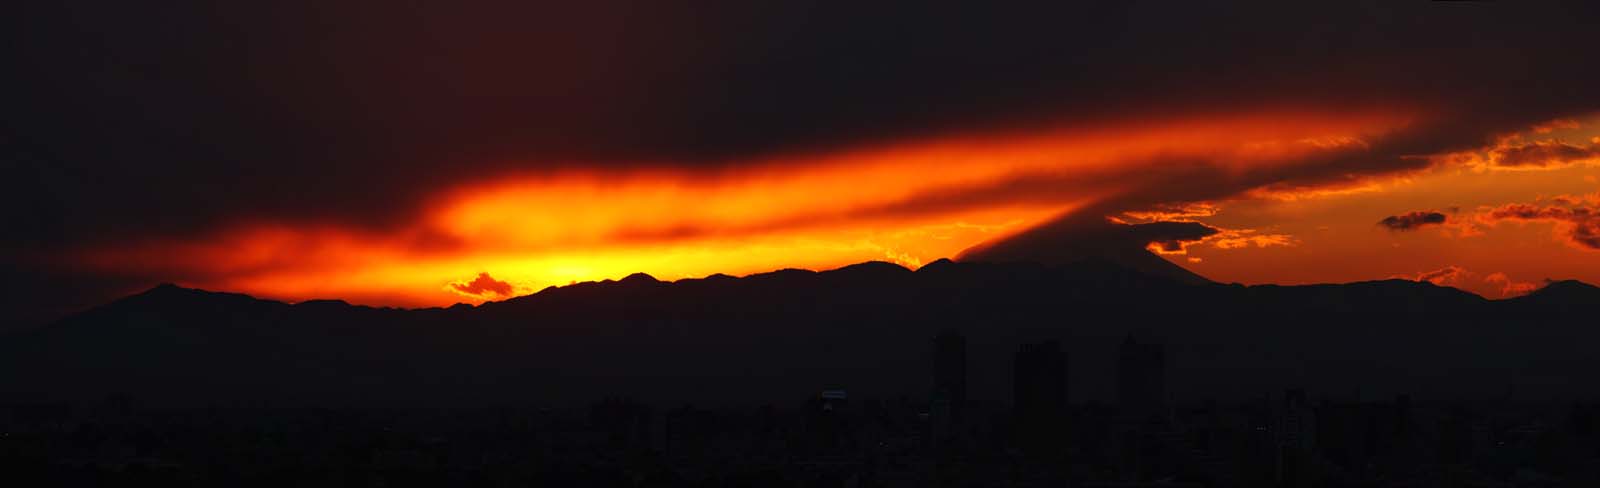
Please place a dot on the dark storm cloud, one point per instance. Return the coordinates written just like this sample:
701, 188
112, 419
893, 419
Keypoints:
1412, 220
352, 111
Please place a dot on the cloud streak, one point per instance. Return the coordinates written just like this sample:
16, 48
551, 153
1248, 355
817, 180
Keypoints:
1459, 277
1546, 154
1445, 276
1412, 220
1576, 223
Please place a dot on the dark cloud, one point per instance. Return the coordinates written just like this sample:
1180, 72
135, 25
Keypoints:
1542, 154
484, 286
1578, 224
1412, 220
205, 113
1171, 236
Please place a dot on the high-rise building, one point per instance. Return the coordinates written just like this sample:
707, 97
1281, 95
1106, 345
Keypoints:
1295, 421
1141, 376
624, 422
950, 370
1039, 393
1294, 434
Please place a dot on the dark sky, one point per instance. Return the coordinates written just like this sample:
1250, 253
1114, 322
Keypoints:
131, 120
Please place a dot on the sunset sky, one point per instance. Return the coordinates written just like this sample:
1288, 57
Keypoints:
417, 155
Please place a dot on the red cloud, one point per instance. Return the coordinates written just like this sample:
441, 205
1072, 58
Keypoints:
1543, 154
1510, 288
1460, 277
1580, 225
483, 287
1442, 276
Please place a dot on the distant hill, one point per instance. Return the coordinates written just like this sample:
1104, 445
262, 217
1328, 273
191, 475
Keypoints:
779, 337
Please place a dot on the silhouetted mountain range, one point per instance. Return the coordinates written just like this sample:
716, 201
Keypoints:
783, 335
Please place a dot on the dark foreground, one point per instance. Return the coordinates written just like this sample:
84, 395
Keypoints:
1285, 440
871, 375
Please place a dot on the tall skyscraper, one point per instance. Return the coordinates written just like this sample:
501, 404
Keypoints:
950, 370
1294, 435
1141, 376
1039, 393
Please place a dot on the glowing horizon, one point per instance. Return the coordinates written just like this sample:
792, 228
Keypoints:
910, 203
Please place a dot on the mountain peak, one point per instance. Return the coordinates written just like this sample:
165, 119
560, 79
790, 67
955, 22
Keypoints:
639, 278
936, 264
1077, 238
1565, 291
323, 302
166, 291
874, 267
165, 287
1557, 286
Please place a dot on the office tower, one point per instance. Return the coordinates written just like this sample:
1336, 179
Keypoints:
1039, 394
1141, 376
950, 370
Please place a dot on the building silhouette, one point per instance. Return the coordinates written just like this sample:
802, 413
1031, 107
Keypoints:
624, 423
1141, 376
1294, 438
1039, 395
950, 371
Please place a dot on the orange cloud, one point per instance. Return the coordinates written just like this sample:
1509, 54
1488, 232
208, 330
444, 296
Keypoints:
484, 287
1175, 212
1456, 276
1445, 276
1222, 239
1241, 238
1520, 152
1577, 224
1543, 154
1510, 288
1554, 125
1219, 238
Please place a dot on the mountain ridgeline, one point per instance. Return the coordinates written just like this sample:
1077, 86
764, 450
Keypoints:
780, 337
